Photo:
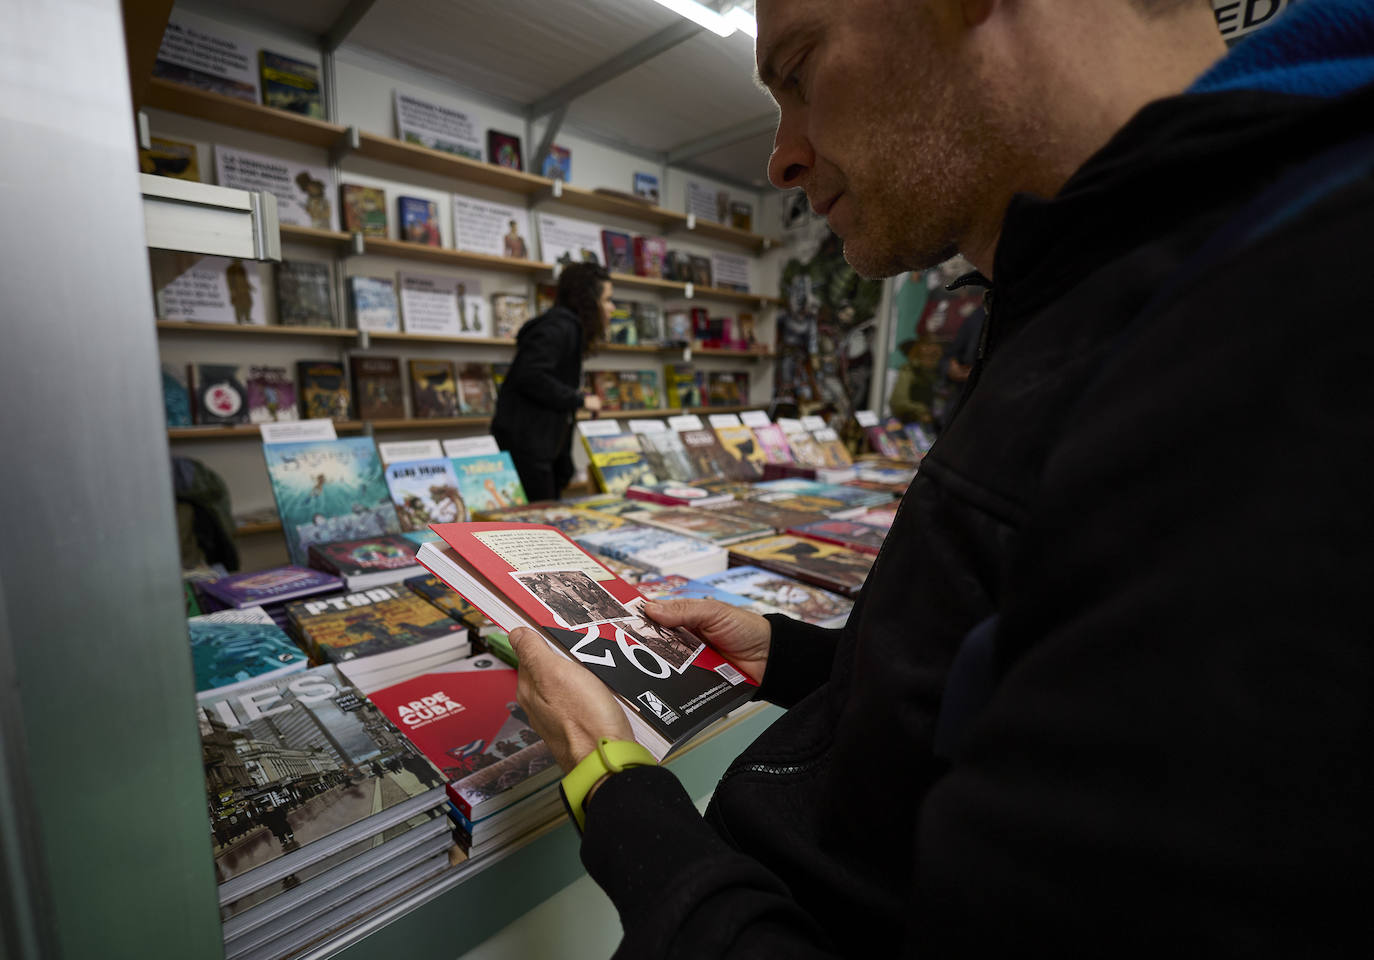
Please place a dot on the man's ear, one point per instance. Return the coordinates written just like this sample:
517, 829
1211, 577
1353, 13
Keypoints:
976, 11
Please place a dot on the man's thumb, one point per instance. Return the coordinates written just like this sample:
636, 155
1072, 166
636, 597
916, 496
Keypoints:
526, 644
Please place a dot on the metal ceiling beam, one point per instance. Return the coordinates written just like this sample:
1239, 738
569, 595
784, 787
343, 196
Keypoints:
723, 138
343, 25
546, 141
621, 63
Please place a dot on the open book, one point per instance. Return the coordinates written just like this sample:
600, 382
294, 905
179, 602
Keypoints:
668, 681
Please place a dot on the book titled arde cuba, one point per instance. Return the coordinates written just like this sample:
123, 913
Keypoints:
669, 683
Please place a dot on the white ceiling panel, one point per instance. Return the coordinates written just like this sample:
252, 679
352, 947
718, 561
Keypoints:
695, 89
520, 50
310, 16
743, 162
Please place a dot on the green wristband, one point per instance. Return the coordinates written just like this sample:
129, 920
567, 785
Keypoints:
610, 756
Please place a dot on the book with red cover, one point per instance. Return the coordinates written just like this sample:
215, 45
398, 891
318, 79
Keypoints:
465, 719
847, 533
670, 684
650, 252
672, 493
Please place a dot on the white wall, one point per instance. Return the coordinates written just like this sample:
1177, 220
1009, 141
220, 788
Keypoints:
365, 85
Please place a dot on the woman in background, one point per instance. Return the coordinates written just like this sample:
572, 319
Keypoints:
542, 393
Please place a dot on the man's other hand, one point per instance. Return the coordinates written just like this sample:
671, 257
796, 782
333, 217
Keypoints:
741, 636
567, 705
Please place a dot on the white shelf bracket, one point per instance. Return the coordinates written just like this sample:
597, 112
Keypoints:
688, 290
358, 245
691, 221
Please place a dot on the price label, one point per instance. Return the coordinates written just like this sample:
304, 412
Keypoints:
298, 431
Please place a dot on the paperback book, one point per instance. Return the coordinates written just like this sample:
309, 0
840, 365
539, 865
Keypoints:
772, 515
233, 647
573, 522
445, 598
708, 525
680, 588
617, 461
352, 773
433, 389
857, 536
305, 294
618, 251
741, 444
290, 84
823, 564
657, 550
669, 683
488, 482
675, 494
773, 443
476, 392
373, 621
364, 210
509, 312
373, 303
649, 254
323, 390
329, 490
271, 395
242, 590
667, 457
221, 393
425, 492
367, 562
377, 387
176, 395
419, 220
710, 459
801, 601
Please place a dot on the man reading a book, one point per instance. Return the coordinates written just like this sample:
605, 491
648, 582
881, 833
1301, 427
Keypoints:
1107, 690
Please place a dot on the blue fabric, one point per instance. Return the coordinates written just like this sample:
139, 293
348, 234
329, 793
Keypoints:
1319, 48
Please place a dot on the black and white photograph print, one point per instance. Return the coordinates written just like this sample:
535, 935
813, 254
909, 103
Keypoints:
674, 645
574, 598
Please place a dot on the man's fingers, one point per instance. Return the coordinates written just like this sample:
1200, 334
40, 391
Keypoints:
527, 644
679, 613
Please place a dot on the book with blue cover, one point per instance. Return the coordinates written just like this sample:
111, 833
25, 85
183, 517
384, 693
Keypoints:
419, 221
488, 482
656, 550
329, 490
233, 647
425, 492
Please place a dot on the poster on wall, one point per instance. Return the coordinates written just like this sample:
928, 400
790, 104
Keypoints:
730, 271
707, 203
207, 60
437, 127
190, 288
303, 190
496, 229
564, 240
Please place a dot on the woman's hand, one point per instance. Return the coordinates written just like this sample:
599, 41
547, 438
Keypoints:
741, 636
567, 705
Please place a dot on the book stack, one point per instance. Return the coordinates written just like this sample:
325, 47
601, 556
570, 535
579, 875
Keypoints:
268, 589
230, 648
383, 620
368, 562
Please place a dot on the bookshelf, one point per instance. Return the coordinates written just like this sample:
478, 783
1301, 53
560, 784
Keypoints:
455, 258
257, 330
230, 111
335, 240
411, 155
663, 219
240, 430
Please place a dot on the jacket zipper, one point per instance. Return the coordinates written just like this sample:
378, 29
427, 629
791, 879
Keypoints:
771, 769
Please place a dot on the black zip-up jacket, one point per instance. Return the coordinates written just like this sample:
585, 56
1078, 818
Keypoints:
541, 394
1166, 742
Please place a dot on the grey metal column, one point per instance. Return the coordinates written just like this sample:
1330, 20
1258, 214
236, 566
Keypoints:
102, 773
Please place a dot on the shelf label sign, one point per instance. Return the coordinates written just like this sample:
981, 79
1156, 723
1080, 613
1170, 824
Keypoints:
403, 450
688, 421
298, 431
648, 426
599, 428
790, 426
866, 418
754, 418
459, 447
730, 271
496, 229
812, 423
563, 240
437, 127
723, 420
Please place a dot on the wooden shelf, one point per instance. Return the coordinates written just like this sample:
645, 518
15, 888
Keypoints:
436, 423
664, 219
218, 108
670, 287
257, 330
758, 354
416, 157
290, 233
244, 430
425, 338
628, 348
743, 238
663, 412
454, 258
679, 289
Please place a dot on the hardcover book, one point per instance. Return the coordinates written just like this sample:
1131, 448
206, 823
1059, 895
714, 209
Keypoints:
271, 395
880, 442
291, 84
277, 585
622, 328
826, 506
509, 312
503, 149
465, 719
710, 459
667, 456
740, 443
799, 600
372, 621
233, 647
670, 684
425, 492
221, 393
847, 533
303, 760
488, 482
372, 301
619, 255
364, 210
419, 221
678, 328
713, 527
823, 564
657, 550
606, 385
901, 442
323, 390
305, 294
433, 389
368, 561
723, 389
649, 254
773, 444
617, 461
843, 492
377, 387
741, 215
476, 392
328, 490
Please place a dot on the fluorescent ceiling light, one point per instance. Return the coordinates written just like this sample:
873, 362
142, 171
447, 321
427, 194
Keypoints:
701, 15
742, 20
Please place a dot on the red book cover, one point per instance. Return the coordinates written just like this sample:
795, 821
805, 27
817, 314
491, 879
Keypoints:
669, 682
650, 252
466, 721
